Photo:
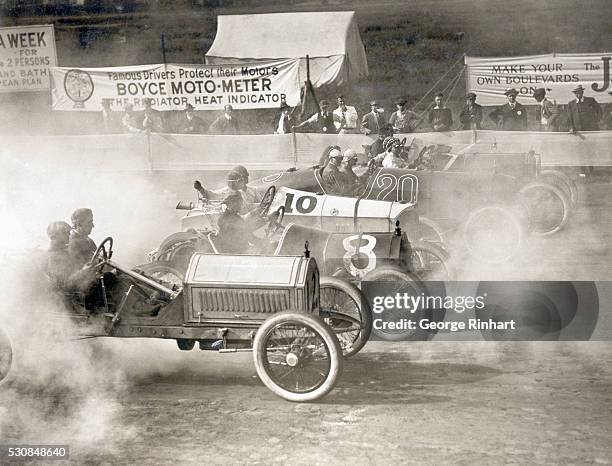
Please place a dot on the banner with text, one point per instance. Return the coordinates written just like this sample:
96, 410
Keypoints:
560, 73
172, 87
26, 53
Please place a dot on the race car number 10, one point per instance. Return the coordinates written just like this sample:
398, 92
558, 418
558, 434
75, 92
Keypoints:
359, 258
303, 204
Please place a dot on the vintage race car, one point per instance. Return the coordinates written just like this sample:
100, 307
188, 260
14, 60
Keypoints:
270, 305
489, 212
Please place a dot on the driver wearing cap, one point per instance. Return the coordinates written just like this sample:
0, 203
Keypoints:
81, 247
236, 182
64, 272
333, 181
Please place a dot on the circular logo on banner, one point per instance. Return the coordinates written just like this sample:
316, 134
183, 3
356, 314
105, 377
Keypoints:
79, 87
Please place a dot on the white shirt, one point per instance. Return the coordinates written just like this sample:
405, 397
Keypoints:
350, 118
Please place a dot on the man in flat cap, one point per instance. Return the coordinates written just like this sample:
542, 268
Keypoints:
81, 246
333, 181
584, 112
322, 121
373, 121
440, 117
547, 113
190, 123
403, 120
511, 116
471, 114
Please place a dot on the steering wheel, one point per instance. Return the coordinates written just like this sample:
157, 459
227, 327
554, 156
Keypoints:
103, 253
266, 201
276, 222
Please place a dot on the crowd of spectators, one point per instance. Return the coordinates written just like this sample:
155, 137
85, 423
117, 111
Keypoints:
580, 114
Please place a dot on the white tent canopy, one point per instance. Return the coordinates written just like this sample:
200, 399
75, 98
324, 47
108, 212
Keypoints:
330, 39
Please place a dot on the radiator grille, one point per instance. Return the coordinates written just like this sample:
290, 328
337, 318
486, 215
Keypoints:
235, 301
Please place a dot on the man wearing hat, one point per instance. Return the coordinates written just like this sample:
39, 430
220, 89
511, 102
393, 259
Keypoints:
547, 113
373, 121
235, 184
584, 112
226, 123
471, 113
250, 195
403, 120
152, 120
81, 246
283, 122
511, 116
333, 180
322, 121
190, 123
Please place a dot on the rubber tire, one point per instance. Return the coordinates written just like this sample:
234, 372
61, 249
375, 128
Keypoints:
441, 253
398, 275
160, 266
562, 197
8, 357
364, 310
561, 180
316, 324
433, 227
494, 207
180, 237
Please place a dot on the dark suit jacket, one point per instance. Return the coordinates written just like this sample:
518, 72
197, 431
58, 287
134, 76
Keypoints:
287, 123
371, 123
224, 126
512, 119
584, 116
471, 116
194, 126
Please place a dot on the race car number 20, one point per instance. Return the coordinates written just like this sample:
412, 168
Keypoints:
303, 204
359, 258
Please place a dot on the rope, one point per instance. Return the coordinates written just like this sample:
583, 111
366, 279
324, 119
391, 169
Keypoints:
438, 81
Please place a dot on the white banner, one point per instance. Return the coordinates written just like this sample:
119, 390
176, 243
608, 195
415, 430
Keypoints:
561, 73
26, 53
172, 87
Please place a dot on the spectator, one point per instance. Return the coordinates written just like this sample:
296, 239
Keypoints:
283, 122
131, 121
440, 117
152, 120
403, 120
345, 117
471, 114
190, 123
322, 121
547, 113
109, 120
226, 123
607, 118
372, 122
377, 147
584, 112
511, 116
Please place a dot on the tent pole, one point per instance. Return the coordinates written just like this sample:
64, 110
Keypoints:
309, 84
163, 48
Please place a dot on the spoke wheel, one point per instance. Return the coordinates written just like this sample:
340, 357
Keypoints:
164, 273
398, 281
493, 234
548, 208
561, 180
297, 356
431, 262
429, 231
344, 310
6, 356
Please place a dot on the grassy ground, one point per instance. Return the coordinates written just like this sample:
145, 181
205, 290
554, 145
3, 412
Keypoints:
409, 44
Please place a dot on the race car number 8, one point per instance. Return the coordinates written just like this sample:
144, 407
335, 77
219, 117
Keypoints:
303, 204
357, 252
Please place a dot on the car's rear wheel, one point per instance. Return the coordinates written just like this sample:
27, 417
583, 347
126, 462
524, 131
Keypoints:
548, 207
394, 280
429, 231
561, 180
344, 310
297, 356
493, 234
6, 356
